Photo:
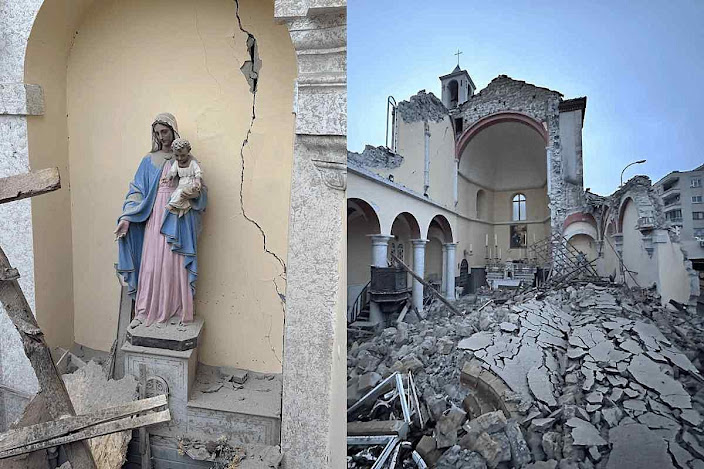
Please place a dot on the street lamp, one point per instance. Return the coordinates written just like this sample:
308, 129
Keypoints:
630, 164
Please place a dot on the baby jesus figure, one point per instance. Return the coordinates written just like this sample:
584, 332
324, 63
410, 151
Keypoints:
189, 178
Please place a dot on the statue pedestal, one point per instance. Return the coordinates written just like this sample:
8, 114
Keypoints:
171, 337
170, 354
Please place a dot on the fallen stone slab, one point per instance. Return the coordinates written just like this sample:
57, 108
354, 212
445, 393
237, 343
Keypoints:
540, 387
692, 417
584, 433
681, 455
637, 446
478, 341
648, 374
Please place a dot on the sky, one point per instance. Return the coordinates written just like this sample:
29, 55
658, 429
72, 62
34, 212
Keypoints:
640, 64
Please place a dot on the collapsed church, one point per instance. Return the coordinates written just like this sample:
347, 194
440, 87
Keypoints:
486, 188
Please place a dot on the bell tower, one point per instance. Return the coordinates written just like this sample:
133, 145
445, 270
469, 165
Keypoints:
457, 88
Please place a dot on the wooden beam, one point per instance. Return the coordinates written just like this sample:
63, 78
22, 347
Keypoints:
53, 429
58, 402
426, 284
29, 184
114, 426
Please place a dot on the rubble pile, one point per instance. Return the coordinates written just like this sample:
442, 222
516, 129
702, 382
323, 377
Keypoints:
578, 377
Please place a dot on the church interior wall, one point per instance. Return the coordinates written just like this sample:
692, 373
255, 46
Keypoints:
113, 87
674, 281
359, 252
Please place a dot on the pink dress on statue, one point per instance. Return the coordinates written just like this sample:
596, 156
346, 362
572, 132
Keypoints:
163, 290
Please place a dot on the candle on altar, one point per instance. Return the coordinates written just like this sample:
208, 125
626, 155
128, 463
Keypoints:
470, 247
487, 239
496, 242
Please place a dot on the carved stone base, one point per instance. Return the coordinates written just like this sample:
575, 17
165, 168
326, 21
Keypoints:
167, 336
167, 370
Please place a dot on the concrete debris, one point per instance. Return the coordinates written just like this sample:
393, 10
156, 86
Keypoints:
223, 455
582, 376
375, 157
422, 107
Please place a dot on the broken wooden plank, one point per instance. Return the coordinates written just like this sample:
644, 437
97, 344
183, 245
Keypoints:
144, 448
58, 402
426, 284
114, 426
403, 313
56, 428
29, 184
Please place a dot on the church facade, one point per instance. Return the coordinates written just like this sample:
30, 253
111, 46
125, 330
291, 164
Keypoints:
467, 179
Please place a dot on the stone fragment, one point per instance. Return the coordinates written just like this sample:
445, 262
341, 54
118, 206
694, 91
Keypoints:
634, 404
575, 353
654, 421
584, 433
552, 445
490, 449
681, 455
367, 382
631, 393
508, 327
540, 386
616, 395
648, 374
612, 415
520, 453
588, 380
594, 453
428, 450
595, 397
490, 422
637, 446
615, 380
694, 446
543, 424
477, 341
692, 417
591, 408
457, 458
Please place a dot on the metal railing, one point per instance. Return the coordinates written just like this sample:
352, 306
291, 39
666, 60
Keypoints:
360, 302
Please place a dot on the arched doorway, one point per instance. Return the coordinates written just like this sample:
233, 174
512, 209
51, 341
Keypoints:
362, 221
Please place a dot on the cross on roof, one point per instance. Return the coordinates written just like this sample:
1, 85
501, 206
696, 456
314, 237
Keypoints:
458, 56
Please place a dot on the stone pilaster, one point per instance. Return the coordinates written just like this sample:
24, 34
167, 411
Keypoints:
449, 249
313, 425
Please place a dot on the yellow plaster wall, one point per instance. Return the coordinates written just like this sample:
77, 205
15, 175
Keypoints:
131, 60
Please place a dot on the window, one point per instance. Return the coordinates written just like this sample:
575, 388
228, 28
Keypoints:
697, 215
673, 215
699, 234
696, 199
458, 125
519, 207
695, 182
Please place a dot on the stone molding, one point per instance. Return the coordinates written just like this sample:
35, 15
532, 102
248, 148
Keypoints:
19, 99
314, 366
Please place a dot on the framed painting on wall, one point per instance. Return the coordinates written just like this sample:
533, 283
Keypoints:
519, 234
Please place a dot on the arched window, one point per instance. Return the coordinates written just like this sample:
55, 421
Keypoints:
454, 93
519, 207
481, 205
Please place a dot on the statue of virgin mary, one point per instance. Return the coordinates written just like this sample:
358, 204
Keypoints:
157, 249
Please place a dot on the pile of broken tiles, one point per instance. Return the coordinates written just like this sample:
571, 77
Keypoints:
603, 378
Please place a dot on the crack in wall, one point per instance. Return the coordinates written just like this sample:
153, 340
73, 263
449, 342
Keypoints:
250, 69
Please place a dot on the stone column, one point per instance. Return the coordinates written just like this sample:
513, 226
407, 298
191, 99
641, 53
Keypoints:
313, 426
449, 249
419, 269
380, 250
443, 285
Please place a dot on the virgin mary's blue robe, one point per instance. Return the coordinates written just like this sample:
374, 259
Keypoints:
180, 232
